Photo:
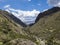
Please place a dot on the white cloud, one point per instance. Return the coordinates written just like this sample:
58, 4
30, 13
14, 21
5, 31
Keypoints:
25, 16
44, 10
29, 0
7, 6
54, 2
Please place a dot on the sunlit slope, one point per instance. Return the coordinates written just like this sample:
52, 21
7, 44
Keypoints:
11, 31
8, 28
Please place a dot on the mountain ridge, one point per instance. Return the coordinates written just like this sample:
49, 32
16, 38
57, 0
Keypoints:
11, 16
47, 12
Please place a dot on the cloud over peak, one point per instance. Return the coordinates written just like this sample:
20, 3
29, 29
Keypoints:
26, 16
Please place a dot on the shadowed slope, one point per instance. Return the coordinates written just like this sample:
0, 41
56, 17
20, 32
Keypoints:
47, 13
15, 19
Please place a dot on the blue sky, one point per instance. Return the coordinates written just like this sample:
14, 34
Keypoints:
27, 10
26, 4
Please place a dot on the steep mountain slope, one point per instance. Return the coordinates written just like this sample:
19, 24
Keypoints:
47, 26
11, 31
12, 17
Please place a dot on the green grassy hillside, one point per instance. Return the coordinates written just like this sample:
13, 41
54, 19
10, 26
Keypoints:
12, 31
48, 28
